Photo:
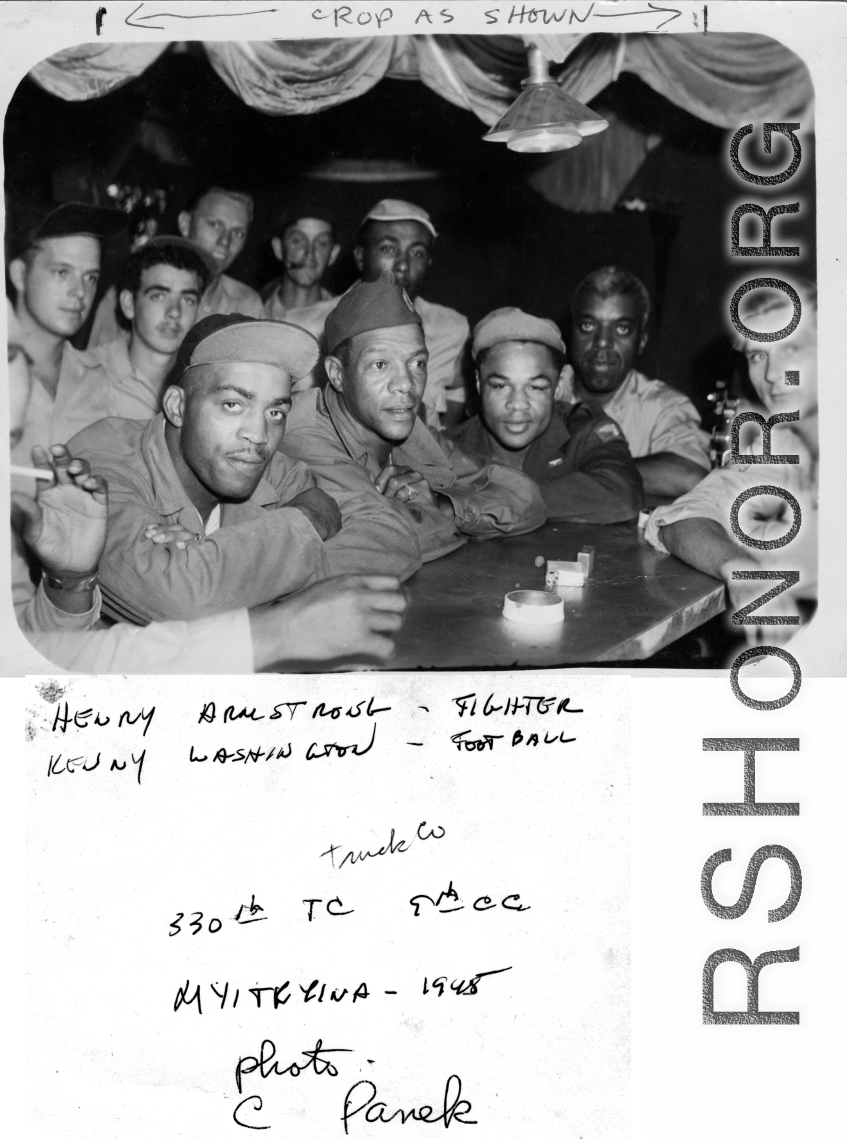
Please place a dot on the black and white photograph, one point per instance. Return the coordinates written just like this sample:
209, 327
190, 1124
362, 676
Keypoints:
422, 632
410, 352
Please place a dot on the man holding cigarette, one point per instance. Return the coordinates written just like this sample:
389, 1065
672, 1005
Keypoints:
61, 522
306, 247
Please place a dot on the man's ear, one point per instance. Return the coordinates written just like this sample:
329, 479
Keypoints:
478, 379
184, 223
173, 405
127, 303
333, 257
563, 384
642, 343
17, 273
359, 257
276, 246
334, 371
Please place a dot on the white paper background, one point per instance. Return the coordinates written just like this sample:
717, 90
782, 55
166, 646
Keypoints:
688, 1079
112, 861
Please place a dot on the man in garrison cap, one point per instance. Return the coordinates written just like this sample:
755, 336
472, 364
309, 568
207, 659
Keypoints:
579, 458
205, 514
398, 237
362, 435
61, 526
54, 275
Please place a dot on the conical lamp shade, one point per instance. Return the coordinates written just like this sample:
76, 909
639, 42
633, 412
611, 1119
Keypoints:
545, 110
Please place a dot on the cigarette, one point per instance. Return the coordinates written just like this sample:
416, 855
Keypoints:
32, 473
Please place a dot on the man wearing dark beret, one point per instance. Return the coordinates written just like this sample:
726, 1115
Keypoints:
54, 275
362, 436
205, 513
578, 457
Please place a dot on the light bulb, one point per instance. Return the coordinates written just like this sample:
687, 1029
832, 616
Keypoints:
545, 139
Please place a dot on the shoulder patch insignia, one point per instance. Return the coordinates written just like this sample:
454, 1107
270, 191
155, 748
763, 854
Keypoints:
608, 431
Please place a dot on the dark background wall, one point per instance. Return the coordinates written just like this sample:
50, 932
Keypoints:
178, 126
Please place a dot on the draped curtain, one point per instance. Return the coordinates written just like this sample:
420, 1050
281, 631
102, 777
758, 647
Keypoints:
723, 79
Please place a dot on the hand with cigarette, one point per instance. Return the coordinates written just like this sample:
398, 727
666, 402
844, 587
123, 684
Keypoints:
65, 523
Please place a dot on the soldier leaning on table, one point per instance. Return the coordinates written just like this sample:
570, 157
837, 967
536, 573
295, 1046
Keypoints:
578, 457
61, 526
398, 237
696, 527
208, 466
361, 436
609, 316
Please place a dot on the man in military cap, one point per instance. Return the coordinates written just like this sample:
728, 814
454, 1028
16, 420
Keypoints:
252, 524
398, 237
362, 436
61, 526
55, 278
579, 458
158, 294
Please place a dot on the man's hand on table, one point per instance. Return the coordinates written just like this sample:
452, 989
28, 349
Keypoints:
407, 485
321, 510
351, 615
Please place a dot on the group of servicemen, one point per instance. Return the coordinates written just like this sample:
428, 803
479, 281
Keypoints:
236, 480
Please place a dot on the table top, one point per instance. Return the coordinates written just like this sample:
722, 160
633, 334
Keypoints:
635, 602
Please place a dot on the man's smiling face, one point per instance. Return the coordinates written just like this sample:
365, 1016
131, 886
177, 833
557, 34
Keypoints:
768, 361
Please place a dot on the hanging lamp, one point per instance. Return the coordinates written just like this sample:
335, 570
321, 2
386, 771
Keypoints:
544, 117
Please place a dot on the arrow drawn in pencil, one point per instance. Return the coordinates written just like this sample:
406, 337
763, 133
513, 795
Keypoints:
183, 16
651, 8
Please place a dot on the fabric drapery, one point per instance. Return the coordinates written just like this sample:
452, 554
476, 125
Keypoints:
721, 78
301, 77
90, 70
